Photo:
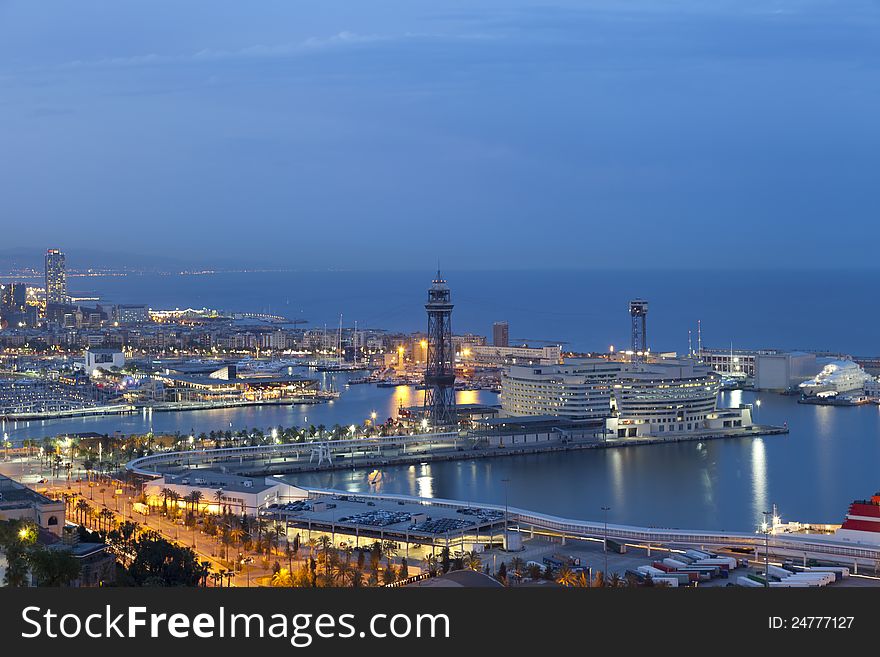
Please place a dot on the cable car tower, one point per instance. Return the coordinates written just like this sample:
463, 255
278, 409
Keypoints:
440, 364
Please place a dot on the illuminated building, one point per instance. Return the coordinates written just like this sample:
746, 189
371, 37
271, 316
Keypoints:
577, 392
56, 277
500, 334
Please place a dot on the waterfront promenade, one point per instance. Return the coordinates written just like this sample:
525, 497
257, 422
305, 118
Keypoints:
290, 458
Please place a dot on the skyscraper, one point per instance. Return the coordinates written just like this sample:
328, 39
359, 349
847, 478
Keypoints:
440, 366
56, 277
500, 334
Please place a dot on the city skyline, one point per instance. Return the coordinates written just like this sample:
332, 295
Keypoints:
334, 137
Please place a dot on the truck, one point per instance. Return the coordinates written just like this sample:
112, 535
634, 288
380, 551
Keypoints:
559, 560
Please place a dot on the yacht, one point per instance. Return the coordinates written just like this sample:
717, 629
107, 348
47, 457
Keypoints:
836, 377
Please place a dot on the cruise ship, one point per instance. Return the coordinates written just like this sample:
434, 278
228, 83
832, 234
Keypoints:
862, 523
838, 376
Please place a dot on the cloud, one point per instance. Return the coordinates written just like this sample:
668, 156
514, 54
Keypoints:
343, 39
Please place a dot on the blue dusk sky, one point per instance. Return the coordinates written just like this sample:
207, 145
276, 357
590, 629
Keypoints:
486, 133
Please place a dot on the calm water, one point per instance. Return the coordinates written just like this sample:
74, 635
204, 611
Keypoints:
830, 458
355, 405
587, 309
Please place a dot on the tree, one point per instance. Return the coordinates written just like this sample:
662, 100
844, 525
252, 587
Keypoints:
282, 577
517, 566
502, 573
444, 560
472, 560
158, 562
53, 567
566, 576
430, 564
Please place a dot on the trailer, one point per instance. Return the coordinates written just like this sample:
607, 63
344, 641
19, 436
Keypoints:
698, 554
747, 582
840, 572
684, 579
674, 563
671, 581
650, 571
701, 576
728, 562
776, 571
824, 578
789, 584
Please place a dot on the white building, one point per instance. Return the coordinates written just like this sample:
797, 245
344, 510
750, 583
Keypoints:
220, 491
578, 392
103, 359
491, 355
782, 371
657, 399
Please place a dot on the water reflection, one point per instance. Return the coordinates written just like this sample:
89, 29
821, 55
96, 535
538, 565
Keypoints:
759, 479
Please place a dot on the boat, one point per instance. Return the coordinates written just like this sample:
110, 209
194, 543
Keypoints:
862, 522
836, 377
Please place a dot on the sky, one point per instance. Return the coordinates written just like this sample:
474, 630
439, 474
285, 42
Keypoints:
484, 133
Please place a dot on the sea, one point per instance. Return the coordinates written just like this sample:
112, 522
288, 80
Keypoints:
830, 456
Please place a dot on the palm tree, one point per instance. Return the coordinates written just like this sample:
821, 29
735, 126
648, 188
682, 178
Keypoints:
566, 576
282, 577
194, 498
174, 496
325, 543
82, 510
219, 497
615, 581
430, 563
517, 567
106, 516
166, 493
472, 560
343, 571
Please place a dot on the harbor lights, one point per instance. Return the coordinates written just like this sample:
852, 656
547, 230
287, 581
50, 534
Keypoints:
767, 530
605, 510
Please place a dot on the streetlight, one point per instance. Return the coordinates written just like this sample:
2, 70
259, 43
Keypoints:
766, 529
605, 509
506, 540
